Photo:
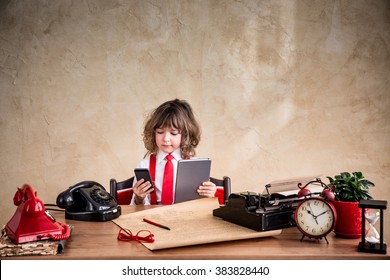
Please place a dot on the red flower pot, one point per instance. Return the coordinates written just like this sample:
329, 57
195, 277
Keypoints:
349, 219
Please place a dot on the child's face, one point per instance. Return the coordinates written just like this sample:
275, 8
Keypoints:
168, 139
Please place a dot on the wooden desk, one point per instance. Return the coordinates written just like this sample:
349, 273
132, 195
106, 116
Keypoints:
98, 240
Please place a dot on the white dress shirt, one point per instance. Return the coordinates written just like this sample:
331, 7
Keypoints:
158, 180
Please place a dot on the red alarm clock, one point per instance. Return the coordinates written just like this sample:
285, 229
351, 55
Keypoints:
315, 217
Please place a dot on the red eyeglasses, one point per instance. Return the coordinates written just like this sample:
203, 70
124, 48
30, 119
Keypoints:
141, 236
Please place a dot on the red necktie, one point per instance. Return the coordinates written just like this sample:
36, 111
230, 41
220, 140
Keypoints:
167, 187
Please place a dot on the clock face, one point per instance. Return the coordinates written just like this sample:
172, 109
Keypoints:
315, 217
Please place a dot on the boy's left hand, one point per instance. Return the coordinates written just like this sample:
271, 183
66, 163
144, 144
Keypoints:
207, 189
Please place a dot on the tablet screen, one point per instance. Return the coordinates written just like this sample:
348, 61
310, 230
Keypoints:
191, 173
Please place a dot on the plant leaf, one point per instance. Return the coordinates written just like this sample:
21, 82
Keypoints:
331, 180
358, 175
366, 184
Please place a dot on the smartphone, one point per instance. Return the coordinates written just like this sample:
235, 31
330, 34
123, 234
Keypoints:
143, 173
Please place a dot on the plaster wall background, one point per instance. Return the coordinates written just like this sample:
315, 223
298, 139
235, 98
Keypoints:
282, 89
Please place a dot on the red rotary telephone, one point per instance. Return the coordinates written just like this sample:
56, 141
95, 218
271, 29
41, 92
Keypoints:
31, 222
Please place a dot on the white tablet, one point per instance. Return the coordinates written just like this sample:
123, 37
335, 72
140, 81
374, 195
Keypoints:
191, 173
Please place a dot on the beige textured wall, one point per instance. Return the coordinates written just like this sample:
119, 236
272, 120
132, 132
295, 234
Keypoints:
282, 88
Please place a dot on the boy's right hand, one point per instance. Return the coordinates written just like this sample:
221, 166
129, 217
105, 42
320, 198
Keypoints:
141, 189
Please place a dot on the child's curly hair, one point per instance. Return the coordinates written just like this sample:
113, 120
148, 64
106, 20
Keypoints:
173, 114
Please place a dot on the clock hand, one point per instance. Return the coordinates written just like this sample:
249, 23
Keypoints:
322, 213
314, 216
308, 211
311, 212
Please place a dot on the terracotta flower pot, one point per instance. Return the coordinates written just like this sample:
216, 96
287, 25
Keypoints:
349, 219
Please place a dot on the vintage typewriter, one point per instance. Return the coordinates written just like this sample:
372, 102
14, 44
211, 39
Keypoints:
271, 210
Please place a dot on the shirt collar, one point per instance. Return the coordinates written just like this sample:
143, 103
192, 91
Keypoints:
161, 155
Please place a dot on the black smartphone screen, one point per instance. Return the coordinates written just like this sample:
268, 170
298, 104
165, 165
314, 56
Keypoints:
143, 173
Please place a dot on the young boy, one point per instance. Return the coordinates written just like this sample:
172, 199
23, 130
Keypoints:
171, 133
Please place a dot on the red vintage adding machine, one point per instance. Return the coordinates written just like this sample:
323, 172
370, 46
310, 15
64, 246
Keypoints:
31, 222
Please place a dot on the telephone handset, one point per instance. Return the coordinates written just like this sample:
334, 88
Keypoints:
88, 201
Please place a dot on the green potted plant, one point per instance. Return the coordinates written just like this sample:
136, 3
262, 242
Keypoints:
348, 190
